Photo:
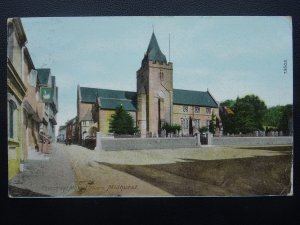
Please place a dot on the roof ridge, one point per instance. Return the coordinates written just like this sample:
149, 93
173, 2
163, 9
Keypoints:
189, 90
108, 89
123, 99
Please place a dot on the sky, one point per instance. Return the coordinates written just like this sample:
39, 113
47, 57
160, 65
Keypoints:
230, 56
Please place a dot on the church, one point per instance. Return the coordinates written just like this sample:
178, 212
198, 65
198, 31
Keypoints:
154, 103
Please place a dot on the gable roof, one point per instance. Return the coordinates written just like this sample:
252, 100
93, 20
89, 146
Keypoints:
43, 76
199, 98
110, 99
153, 52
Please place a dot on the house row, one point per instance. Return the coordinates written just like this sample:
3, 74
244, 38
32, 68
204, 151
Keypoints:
32, 101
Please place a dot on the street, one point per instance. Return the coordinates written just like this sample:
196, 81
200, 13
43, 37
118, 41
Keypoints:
207, 171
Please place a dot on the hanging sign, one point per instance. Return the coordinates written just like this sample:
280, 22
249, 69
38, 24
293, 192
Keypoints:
47, 94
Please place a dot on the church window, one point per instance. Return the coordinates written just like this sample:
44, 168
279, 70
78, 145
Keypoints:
208, 110
185, 123
185, 108
197, 109
161, 74
182, 122
196, 123
207, 123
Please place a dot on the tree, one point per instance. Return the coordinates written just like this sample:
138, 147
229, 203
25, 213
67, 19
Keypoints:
273, 116
227, 117
122, 122
287, 113
228, 103
249, 113
171, 128
212, 124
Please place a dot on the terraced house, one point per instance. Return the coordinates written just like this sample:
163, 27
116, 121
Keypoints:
154, 103
28, 125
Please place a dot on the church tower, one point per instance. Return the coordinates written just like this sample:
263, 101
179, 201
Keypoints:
154, 90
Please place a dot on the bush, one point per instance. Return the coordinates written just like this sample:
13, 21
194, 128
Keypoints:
203, 130
171, 128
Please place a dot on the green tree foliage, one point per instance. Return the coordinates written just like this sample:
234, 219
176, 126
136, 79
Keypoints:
212, 124
248, 116
273, 116
171, 128
226, 118
283, 124
203, 130
228, 103
122, 122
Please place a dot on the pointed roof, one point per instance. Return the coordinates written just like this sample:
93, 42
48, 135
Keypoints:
153, 52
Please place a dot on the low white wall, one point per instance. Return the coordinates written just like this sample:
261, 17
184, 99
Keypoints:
187, 142
148, 143
235, 141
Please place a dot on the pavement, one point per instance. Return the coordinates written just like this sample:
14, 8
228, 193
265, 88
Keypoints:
44, 175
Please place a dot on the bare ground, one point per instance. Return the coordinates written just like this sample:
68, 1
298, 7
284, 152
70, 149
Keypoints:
250, 171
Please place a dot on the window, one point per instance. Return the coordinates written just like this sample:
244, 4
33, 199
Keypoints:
184, 123
185, 108
196, 123
11, 119
161, 74
197, 109
207, 123
208, 110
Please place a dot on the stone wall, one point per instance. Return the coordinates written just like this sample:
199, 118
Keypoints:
236, 141
188, 142
147, 143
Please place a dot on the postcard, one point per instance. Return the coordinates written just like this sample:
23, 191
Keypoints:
189, 106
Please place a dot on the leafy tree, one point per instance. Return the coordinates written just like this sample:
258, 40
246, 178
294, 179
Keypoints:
227, 118
273, 116
212, 124
228, 103
122, 122
284, 120
249, 113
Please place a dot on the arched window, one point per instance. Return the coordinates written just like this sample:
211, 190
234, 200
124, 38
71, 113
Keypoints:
161, 74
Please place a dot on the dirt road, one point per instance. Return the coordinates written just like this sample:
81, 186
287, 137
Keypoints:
215, 171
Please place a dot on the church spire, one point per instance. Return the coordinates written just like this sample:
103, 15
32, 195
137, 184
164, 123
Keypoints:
153, 52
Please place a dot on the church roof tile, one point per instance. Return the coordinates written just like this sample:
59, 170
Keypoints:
198, 98
153, 52
110, 99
